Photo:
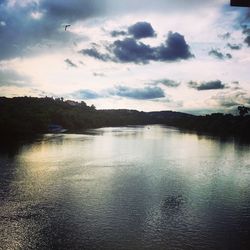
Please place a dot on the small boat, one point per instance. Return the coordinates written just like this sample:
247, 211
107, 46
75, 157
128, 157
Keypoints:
55, 128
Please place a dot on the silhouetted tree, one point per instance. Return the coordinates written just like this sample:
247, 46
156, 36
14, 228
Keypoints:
31, 115
243, 110
93, 107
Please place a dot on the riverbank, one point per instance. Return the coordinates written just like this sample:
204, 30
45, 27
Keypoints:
28, 116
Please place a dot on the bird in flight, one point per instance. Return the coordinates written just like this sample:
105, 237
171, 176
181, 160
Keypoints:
66, 26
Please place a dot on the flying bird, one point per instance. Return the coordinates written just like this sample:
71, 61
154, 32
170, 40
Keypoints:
66, 26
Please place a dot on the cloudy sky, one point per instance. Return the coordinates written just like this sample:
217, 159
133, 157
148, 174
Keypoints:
146, 55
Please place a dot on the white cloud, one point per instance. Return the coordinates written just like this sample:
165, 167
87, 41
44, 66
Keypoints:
36, 15
20, 3
2, 23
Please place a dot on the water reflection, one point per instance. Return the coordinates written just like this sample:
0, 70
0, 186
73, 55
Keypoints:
138, 187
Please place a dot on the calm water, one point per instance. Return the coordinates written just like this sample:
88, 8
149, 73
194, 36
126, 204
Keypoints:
132, 188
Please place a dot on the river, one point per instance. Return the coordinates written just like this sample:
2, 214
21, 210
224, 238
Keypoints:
142, 187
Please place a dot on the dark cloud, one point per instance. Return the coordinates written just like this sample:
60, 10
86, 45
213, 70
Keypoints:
130, 50
217, 84
26, 26
234, 46
247, 41
86, 94
116, 33
166, 82
175, 48
22, 32
70, 63
217, 54
93, 52
244, 22
141, 30
246, 31
12, 78
145, 93
73, 10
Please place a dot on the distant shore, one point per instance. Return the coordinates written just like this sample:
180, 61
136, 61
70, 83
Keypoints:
29, 116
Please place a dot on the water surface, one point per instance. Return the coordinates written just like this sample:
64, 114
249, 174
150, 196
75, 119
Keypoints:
148, 187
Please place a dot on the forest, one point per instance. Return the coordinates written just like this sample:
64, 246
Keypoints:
24, 116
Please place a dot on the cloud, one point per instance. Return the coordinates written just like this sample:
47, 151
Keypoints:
225, 36
234, 46
85, 94
73, 10
128, 50
231, 99
244, 21
116, 33
244, 16
163, 6
31, 24
236, 82
166, 82
247, 40
93, 52
98, 74
145, 93
2, 23
246, 31
10, 77
217, 54
137, 31
27, 25
217, 84
70, 63
175, 48
141, 30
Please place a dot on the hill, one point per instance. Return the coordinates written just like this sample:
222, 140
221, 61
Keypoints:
31, 115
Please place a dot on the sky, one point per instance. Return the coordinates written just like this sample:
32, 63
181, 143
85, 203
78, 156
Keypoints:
190, 56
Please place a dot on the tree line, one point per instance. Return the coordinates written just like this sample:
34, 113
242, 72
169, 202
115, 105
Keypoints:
21, 116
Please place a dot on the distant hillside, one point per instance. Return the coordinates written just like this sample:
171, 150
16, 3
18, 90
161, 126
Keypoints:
30, 115
170, 115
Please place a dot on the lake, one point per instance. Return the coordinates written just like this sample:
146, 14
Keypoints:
142, 187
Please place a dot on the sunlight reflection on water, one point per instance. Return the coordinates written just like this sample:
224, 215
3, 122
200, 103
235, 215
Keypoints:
143, 187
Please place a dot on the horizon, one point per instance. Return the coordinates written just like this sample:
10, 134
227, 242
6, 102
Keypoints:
234, 112
140, 56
